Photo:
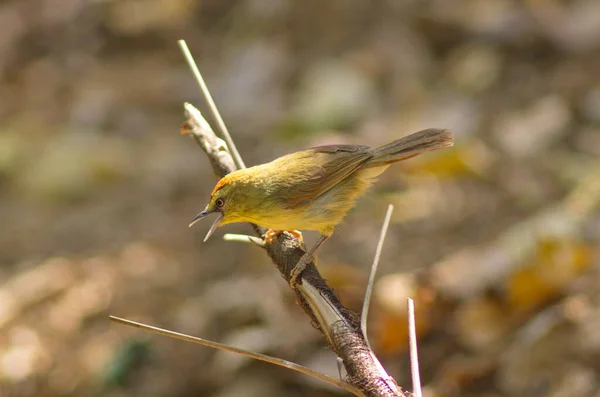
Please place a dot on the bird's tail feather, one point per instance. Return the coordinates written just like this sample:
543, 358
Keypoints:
410, 146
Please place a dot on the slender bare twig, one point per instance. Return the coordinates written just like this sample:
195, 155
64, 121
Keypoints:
339, 326
257, 356
414, 356
374, 266
244, 238
211, 104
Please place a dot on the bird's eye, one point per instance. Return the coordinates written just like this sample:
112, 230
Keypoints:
220, 202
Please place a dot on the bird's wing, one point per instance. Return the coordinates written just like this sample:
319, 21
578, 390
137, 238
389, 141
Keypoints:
331, 165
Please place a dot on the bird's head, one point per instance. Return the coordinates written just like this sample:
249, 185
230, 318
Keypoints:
226, 201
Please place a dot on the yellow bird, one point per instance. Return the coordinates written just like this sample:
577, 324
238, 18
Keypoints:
312, 189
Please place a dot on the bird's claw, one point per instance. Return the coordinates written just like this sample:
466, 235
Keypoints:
271, 234
297, 234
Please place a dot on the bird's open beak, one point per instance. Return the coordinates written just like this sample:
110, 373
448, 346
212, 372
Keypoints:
215, 224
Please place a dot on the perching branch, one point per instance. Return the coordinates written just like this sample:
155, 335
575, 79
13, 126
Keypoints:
339, 326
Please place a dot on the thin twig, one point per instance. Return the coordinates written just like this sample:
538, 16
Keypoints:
369, 292
257, 356
414, 355
244, 238
211, 104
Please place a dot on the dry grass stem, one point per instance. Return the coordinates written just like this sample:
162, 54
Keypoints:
414, 356
257, 356
211, 103
374, 266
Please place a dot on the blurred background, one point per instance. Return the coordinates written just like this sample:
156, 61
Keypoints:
495, 239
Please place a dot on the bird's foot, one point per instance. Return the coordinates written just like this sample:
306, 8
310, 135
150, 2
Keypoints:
299, 268
297, 234
271, 234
